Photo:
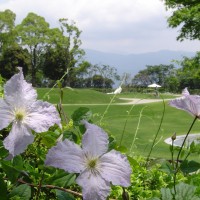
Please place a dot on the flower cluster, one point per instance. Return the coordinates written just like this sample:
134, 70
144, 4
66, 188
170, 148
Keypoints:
97, 167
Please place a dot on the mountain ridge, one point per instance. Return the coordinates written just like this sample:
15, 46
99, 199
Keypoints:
133, 63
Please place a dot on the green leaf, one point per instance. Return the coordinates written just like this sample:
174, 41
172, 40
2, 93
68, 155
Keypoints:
3, 151
65, 181
70, 135
60, 177
185, 192
61, 195
195, 148
133, 162
11, 172
80, 114
18, 162
167, 167
189, 166
3, 189
48, 138
122, 149
112, 143
22, 191
166, 194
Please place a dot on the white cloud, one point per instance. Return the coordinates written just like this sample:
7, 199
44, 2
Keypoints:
129, 26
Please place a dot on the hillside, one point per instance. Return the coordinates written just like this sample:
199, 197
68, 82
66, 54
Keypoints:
133, 63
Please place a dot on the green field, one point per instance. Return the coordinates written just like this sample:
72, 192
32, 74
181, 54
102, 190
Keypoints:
138, 123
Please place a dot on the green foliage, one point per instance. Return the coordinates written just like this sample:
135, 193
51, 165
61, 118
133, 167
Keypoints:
46, 54
33, 33
64, 195
1, 86
80, 114
189, 73
7, 32
189, 166
14, 56
22, 192
3, 188
170, 78
186, 14
183, 192
153, 74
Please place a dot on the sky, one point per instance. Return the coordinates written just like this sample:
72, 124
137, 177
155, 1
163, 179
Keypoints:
114, 26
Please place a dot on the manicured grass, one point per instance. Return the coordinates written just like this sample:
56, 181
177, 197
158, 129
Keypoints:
117, 116
75, 96
126, 119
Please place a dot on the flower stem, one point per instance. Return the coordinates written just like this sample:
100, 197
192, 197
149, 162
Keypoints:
154, 141
179, 153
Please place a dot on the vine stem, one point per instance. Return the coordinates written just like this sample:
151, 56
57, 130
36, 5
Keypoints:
51, 187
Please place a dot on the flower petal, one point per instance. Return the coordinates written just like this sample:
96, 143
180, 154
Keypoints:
66, 155
115, 168
189, 103
42, 115
94, 187
95, 140
6, 116
18, 139
18, 88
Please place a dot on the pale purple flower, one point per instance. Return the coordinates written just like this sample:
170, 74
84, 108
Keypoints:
97, 167
189, 103
21, 108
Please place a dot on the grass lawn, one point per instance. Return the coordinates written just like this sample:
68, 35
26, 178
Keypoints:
75, 96
138, 123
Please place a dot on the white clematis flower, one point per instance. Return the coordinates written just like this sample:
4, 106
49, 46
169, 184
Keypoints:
21, 108
96, 167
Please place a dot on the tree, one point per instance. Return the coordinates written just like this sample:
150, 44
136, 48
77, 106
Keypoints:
13, 57
107, 72
63, 53
33, 33
99, 82
153, 74
75, 53
186, 13
7, 29
189, 73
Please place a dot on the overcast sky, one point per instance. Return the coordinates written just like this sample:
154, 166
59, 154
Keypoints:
116, 26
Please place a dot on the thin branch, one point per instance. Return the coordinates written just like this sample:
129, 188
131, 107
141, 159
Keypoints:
51, 187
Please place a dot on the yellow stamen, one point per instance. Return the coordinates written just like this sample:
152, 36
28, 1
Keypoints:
92, 163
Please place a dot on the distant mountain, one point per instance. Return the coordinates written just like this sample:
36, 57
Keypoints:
133, 63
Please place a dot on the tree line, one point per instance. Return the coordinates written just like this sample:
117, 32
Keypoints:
171, 78
47, 54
